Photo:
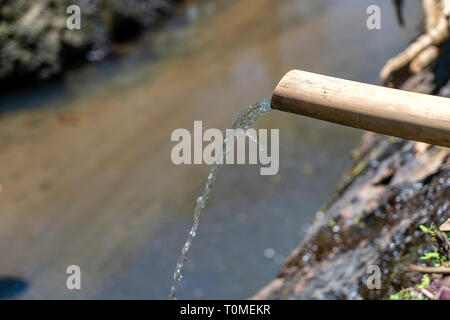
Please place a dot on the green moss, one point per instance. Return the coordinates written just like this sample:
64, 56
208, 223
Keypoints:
413, 293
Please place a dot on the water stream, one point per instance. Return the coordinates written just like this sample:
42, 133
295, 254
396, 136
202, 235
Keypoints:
244, 121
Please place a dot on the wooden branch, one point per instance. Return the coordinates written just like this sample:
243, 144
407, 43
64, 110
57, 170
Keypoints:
399, 11
446, 8
444, 242
383, 110
440, 270
424, 59
427, 293
430, 54
431, 12
445, 227
433, 37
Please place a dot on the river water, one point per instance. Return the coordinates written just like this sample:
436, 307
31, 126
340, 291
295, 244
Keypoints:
90, 180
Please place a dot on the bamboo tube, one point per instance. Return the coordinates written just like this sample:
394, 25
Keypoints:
383, 110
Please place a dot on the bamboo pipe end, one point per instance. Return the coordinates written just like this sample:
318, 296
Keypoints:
276, 101
393, 112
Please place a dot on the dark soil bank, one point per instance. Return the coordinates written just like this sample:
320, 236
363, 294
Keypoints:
36, 44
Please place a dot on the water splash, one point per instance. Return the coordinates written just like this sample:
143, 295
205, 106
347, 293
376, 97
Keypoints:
244, 121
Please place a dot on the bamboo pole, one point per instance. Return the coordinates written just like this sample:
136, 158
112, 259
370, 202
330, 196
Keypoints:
383, 110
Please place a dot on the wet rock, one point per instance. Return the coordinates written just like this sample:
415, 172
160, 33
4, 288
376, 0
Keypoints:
36, 44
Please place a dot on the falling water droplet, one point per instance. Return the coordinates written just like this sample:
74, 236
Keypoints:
244, 122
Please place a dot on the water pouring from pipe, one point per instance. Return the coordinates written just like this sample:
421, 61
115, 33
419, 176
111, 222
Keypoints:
383, 110
244, 121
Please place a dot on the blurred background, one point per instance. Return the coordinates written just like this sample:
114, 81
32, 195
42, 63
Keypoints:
85, 123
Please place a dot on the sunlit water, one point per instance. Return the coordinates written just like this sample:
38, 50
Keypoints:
244, 121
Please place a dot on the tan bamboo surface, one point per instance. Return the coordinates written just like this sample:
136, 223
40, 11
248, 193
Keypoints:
374, 108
